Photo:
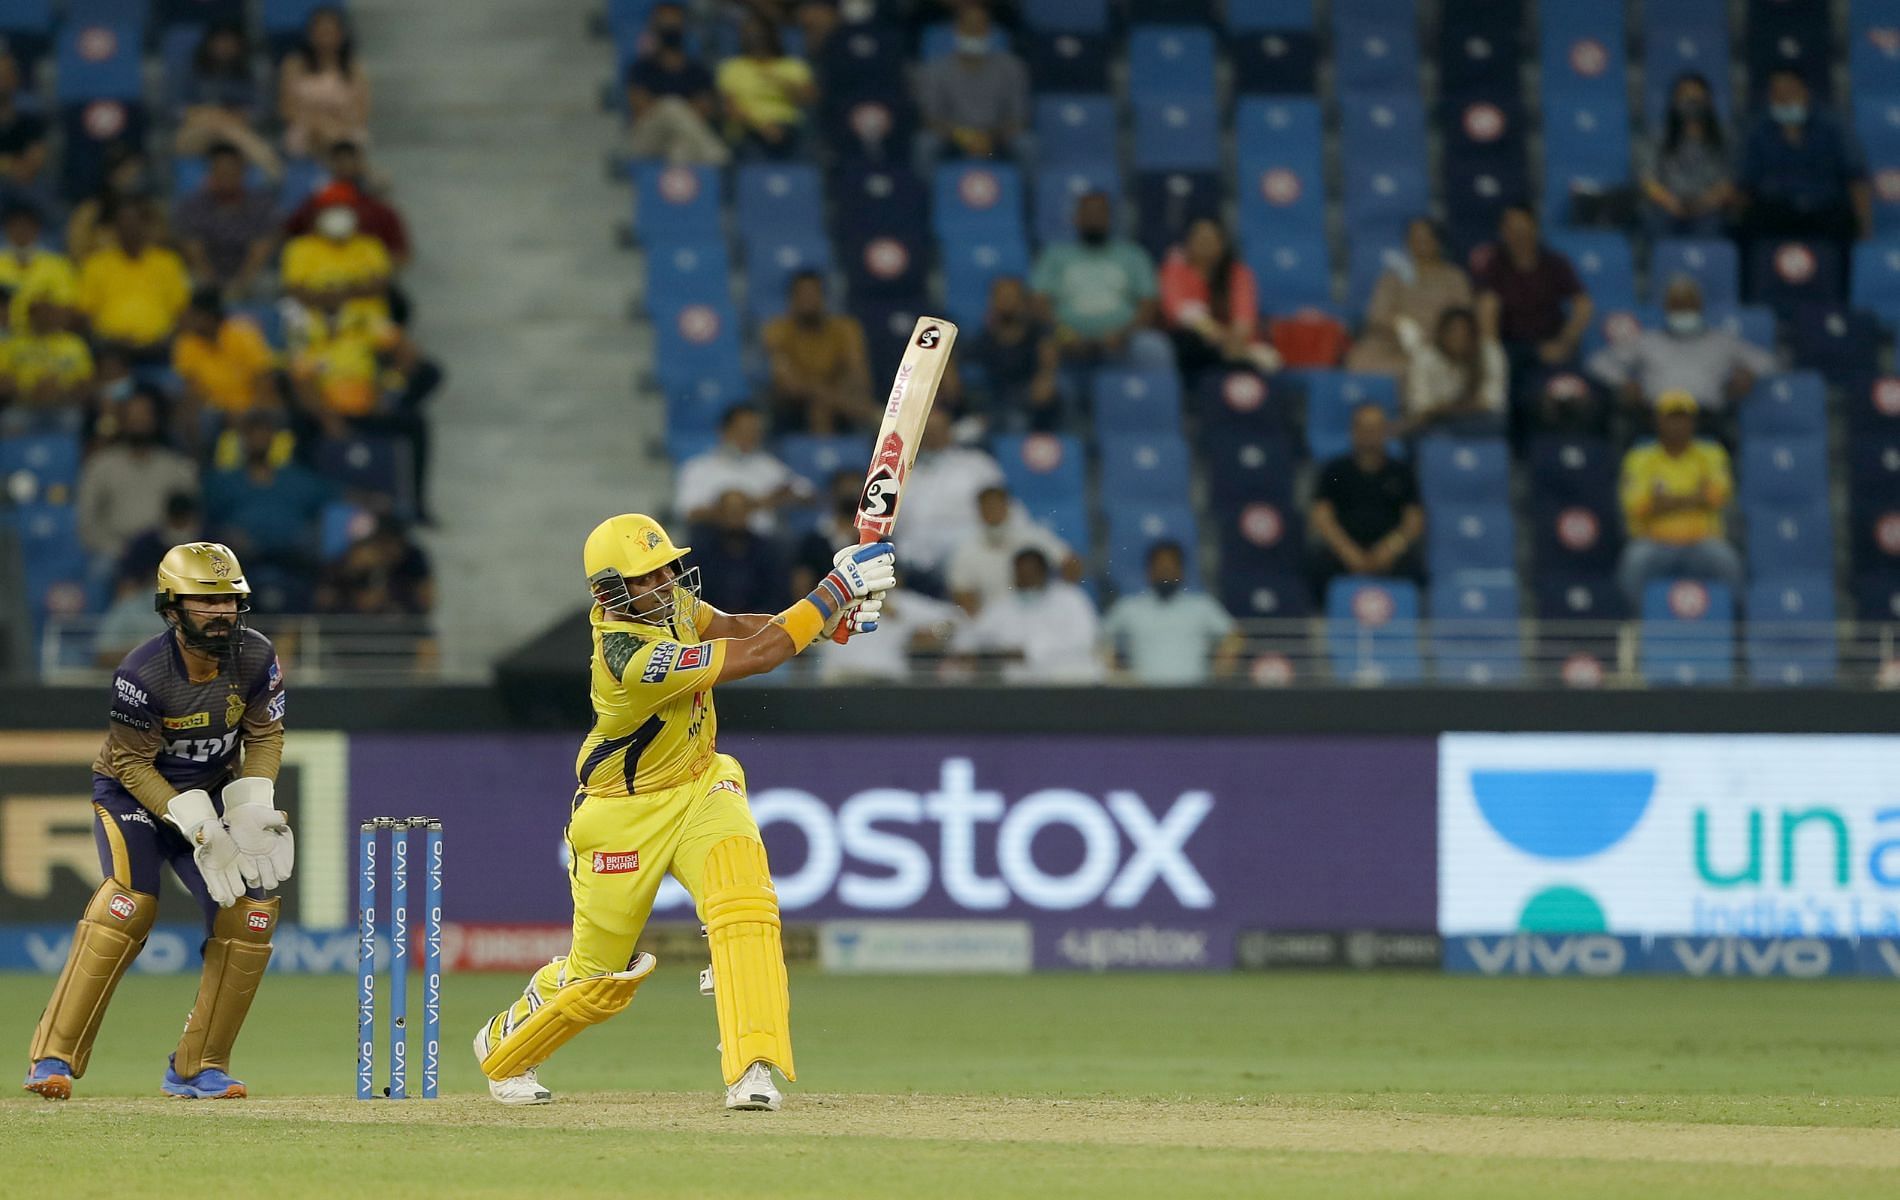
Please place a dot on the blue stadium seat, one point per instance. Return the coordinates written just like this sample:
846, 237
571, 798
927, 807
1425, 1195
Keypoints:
1133, 528
1375, 47
675, 203
1253, 16
817, 457
90, 130
1043, 468
690, 273
885, 265
1680, 37
1583, 597
1464, 470
977, 200
339, 524
1067, 62
1474, 633
971, 264
1604, 264
1382, 151
1131, 401
684, 444
1284, 194
887, 324
1279, 62
877, 127
1572, 466
1783, 470
770, 263
1877, 123
1480, 48
872, 198
1581, 53
1057, 190
1885, 186
1688, 632
773, 200
1170, 61
1257, 591
1372, 630
1277, 130
1177, 134
1167, 202
1265, 531
365, 463
1789, 637
1234, 404
1876, 274
1877, 598
696, 342
1144, 468
1577, 535
33, 464
864, 61
1786, 275
1872, 409
1873, 50
1291, 271
693, 412
1067, 16
1586, 151
27, 26
1469, 538
100, 58
1754, 323
939, 41
1476, 194
1076, 129
1793, 36
1256, 466
1789, 538
1331, 397
1793, 405
1711, 262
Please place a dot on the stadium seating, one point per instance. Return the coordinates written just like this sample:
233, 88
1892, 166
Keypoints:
1372, 631
1790, 637
1688, 633
1474, 633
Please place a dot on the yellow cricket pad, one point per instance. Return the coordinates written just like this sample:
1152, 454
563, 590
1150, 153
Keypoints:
748, 957
235, 958
573, 1007
109, 936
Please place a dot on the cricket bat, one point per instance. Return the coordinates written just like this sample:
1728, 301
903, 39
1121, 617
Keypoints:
913, 391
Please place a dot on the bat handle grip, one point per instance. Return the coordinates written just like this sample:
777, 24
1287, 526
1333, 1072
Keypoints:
842, 633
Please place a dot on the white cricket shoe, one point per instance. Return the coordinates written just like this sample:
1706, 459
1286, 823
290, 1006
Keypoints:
755, 1091
517, 1091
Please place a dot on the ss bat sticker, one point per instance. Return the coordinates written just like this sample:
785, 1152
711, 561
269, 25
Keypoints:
928, 339
880, 493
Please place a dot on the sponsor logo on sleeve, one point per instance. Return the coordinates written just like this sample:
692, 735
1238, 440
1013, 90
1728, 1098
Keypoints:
130, 693
122, 907
233, 709
660, 662
126, 718
691, 658
274, 711
197, 720
275, 677
616, 862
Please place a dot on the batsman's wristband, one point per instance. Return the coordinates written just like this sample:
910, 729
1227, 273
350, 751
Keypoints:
804, 621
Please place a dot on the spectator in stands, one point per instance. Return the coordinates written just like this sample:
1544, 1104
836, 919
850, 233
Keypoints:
913, 632
742, 570
1687, 355
382, 574
1170, 634
133, 290
739, 464
940, 500
28, 269
670, 98
221, 103
337, 263
817, 20
1211, 303
322, 89
374, 215
265, 511
1366, 518
47, 367
836, 526
127, 177
1456, 382
821, 377
1041, 630
124, 484
23, 152
766, 92
1530, 298
127, 621
1689, 178
183, 522
1419, 287
981, 570
975, 100
1008, 371
227, 230
1674, 491
224, 362
1099, 290
1802, 171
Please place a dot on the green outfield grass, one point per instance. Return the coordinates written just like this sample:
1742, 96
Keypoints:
1109, 1086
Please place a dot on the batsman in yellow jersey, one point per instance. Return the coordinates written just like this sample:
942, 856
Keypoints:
656, 797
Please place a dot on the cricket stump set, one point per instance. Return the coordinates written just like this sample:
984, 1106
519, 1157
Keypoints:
367, 847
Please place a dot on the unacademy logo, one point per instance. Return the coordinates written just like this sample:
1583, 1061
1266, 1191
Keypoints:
1564, 816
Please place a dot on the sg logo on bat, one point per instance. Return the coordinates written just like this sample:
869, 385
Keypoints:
928, 339
880, 494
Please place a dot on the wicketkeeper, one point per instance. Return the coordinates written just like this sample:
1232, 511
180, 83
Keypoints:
656, 797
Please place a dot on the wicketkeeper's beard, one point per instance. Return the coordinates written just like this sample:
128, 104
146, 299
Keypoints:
215, 634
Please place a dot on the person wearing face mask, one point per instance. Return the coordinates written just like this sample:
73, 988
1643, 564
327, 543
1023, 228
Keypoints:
1803, 174
124, 486
766, 93
670, 98
821, 375
1688, 179
975, 100
1101, 293
1039, 630
980, 570
337, 263
1715, 367
1170, 635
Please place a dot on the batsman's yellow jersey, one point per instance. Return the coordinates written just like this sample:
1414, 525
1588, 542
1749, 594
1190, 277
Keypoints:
653, 708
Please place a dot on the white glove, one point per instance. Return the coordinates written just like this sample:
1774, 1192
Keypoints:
262, 833
213, 849
859, 571
863, 616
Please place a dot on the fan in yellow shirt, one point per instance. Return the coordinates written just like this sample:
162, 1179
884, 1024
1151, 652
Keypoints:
765, 90
134, 291
224, 361
1674, 491
44, 364
337, 261
27, 269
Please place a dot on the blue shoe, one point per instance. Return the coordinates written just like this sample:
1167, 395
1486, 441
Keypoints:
51, 1078
208, 1084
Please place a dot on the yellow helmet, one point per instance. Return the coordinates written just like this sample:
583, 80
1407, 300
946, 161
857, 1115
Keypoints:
626, 547
199, 569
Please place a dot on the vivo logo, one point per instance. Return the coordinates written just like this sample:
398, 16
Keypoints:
1800, 958
1534, 954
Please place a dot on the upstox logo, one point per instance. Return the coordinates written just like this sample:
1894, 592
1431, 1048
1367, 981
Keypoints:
1562, 815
